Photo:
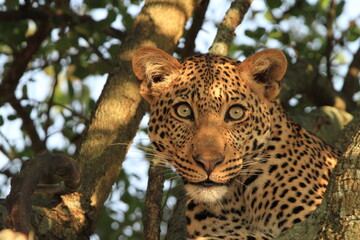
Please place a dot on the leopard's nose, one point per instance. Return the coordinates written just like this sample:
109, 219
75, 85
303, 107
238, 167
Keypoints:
208, 163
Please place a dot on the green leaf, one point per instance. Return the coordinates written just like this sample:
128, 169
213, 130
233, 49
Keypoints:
96, 4
324, 4
275, 35
111, 17
91, 104
82, 29
85, 94
24, 92
285, 38
12, 117
82, 72
1, 121
257, 34
273, 3
340, 8
49, 70
71, 89
114, 50
11, 4
354, 33
269, 16
68, 133
63, 44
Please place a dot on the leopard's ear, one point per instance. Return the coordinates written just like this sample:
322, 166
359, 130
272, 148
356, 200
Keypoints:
264, 71
155, 69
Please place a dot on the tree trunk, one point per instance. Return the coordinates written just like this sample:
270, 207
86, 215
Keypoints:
338, 216
112, 127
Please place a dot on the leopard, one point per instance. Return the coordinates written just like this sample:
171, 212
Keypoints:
249, 171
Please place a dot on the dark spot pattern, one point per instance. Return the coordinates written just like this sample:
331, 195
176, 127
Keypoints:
274, 172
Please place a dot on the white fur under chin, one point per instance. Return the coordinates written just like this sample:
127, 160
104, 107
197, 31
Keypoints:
206, 194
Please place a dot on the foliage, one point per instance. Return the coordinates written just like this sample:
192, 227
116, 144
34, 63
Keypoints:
317, 32
60, 85
58, 89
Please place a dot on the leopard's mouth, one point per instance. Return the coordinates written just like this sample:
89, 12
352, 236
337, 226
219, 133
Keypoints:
209, 183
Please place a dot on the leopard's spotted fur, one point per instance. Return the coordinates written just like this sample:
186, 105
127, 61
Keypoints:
250, 172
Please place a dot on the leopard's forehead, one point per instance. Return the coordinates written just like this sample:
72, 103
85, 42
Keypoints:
210, 69
209, 81
206, 60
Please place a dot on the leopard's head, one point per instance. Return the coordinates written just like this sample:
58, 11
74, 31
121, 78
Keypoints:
209, 115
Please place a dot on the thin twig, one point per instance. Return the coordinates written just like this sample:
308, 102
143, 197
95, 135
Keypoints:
13, 154
73, 112
329, 38
50, 104
226, 30
6, 154
28, 124
166, 197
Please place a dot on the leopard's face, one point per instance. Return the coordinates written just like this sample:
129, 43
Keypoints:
210, 125
209, 120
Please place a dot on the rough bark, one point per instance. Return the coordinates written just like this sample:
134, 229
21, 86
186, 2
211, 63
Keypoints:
153, 202
24, 184
115, 120
338, 216
226, 30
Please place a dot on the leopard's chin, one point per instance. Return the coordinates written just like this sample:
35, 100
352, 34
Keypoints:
206, 192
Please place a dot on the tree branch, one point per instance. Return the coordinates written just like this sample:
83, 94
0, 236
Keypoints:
351, 82
153, 202
28, 124
197, 23
115, 33
226, 30
12, 78
50, 105
24, 13
24, 184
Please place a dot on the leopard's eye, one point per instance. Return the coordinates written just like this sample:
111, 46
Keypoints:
235, 113
183, 110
